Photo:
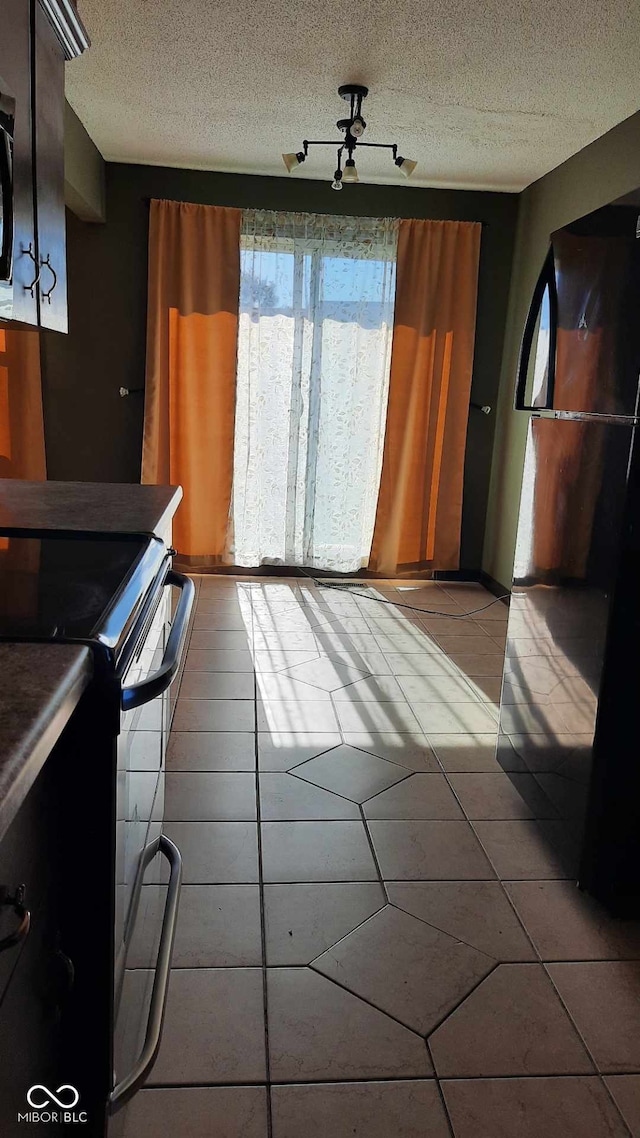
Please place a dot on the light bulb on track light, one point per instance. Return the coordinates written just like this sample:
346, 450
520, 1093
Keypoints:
350, 174
337, 180
293, 160
406, 165
358, 126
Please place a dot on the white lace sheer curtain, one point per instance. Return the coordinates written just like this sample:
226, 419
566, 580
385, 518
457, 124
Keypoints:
314, 351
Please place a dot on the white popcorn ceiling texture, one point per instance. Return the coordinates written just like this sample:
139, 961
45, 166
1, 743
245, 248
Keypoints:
487, 94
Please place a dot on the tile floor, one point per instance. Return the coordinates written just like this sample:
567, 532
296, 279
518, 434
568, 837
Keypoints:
376, 937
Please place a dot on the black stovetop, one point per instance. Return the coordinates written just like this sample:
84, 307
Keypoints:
74, 586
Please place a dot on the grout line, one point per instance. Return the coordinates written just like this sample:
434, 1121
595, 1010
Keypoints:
263, 934
374, 856
443, 1100
366, 1000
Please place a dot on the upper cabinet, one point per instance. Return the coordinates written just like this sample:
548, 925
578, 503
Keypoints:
37, 37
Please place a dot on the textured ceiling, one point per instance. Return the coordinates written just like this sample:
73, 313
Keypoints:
483, 93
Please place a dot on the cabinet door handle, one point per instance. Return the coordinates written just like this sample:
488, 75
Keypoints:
38, 269
128, 1086
20, 933
45, 263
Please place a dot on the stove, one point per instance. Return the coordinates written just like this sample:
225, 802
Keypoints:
116, 593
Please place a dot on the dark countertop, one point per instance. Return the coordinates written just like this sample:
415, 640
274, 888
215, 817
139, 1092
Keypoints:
41, 686
102, 507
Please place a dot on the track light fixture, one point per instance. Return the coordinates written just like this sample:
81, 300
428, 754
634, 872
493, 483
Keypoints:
353, 129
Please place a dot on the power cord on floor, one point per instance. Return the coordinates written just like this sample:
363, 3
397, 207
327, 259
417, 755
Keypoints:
322, 583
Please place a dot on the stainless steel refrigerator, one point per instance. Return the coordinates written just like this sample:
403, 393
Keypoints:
569, 712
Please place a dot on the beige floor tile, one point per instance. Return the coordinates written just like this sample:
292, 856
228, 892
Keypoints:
378, 717
209, 641
415, 641
211, 751
452, 718
564, 1107
437, 689
198, 1112
329, 675
218, 660
281, 750
374, 689
216, 852
626, 1092
333, 641
218, 927
284, 797
351, 625
492, 796
282, 686
301, 921
371, 661
284, 641
476, 912
467, 752
422, 664
281, 659
221, 622
316, 851
566, 924
407, 749
487, 688
429, 851
476, 664
213, 1029
480, 645
520, 850
214, 715
355, 774
421, 796
289, 715
409, 969
319, 1031
407, 1109
217, 685
210, 797
451, 626
212, 602
603, 997
512, 1024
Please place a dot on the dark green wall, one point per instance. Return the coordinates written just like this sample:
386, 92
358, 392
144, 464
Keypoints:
94, 435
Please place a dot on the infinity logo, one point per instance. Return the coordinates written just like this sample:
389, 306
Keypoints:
51, 1097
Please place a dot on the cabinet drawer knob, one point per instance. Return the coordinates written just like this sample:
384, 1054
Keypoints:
16, 902
45, 263
36, 280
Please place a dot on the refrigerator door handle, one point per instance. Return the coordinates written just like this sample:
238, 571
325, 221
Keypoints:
546, 283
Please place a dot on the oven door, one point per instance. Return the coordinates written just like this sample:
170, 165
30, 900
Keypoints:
7, 119
145, 909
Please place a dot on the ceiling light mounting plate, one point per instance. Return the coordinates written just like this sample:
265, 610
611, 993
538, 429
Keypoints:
350, 90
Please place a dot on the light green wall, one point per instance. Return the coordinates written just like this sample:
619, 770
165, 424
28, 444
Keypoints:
603, 171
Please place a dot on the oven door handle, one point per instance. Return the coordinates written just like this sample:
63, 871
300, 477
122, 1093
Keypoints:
127, 1087
137, 694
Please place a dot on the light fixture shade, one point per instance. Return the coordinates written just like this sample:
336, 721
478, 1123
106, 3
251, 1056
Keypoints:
407, 166
350, 173
293, 160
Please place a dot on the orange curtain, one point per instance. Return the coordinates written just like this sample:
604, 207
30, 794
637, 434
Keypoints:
420, 501
192, 329
22, 453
